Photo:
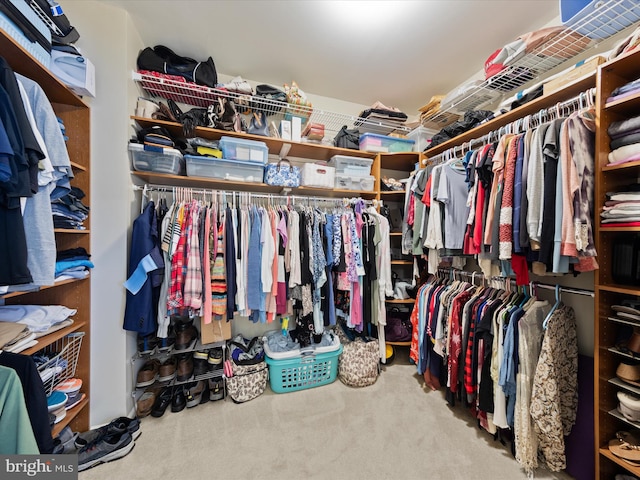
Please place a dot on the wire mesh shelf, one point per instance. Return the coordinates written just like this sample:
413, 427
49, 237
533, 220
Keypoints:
63, 360
608, 18
201, 96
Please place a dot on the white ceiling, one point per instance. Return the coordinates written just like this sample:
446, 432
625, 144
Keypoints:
399, 52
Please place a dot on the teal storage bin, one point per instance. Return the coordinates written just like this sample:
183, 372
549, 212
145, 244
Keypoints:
308, 370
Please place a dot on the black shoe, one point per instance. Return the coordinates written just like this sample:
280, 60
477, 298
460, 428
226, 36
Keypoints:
162, 402
214, 359
147, 344
179, 401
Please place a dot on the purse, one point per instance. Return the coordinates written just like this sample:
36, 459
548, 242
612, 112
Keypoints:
258, 125
282, 174
347, 138
270, 99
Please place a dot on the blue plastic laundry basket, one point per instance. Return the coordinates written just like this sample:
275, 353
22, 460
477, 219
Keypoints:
307, 370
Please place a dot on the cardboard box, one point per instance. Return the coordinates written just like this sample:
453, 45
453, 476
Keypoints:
218, 330
578, 71
75, 71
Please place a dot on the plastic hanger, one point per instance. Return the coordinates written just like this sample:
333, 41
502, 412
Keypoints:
553, 309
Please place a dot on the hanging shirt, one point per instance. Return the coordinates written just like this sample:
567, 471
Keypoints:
452, 192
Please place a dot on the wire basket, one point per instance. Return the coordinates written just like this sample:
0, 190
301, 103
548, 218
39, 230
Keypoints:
63, 354
307, 371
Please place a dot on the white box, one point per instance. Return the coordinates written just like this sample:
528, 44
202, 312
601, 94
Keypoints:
75, 71
285, 129
318, 175
296, 128
421, 136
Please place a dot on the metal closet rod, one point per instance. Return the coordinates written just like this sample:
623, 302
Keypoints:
582, 100
544, 286
249, 195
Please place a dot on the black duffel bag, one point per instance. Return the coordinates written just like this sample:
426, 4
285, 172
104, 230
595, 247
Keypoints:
347, 138
164, 60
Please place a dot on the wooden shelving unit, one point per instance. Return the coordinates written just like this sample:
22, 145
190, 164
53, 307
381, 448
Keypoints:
608, 421
76, 294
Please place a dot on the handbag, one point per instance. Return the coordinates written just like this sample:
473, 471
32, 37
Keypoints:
359, 364
247, 381
347, 138
164, 60
282, 174
270, 99
258, 125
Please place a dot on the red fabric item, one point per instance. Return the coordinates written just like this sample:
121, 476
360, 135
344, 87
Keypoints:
620, 224
426, 198
455, 348
521, 269
412, 209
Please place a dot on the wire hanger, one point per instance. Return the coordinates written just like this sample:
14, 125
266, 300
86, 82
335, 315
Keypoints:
553, 309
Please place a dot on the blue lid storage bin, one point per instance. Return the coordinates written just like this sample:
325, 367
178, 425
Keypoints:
147, 158
373, 142
224, 169
599, 19
245, 150
38, 51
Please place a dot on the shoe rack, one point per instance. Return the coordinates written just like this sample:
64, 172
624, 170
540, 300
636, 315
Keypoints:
608, 333
75, 294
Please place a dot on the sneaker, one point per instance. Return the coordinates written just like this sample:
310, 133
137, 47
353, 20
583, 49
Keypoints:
200, 362
116, 426
215, 359
216, 389
65, 442
105, 449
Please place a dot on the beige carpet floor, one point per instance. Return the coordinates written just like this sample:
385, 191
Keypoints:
394, 429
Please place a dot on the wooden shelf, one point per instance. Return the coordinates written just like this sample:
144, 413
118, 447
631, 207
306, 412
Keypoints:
52, 337
624, 289
571, 89
605, 452
624, 105
399, 344
401, 262
275, 145
77, 166
23, 62
619, 229
403, 301
395, 234
39, 289
72, 231
72, 413
215, 184
622, 166
392, 196
626, 386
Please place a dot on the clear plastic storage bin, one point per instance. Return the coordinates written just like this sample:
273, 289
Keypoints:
372, 142
245, 150
147, 158
351, 165
224, 169
363, 183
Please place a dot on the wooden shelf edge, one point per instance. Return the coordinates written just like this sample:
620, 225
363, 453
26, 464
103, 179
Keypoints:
72, 413
617, 103
401, 262
622, 166
533, 106
399, 344
406, 301
72, 231
274, 144
604, 451
46, 287
54, 336
77, 166
619, 229
619, 289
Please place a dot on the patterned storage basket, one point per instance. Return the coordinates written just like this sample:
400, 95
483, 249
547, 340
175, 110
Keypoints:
247, 382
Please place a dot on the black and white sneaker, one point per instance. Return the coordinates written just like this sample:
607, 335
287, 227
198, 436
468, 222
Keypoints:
116, 426
105, 449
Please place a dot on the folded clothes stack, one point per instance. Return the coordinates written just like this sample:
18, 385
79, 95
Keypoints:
39, 319
625, 140
69, 211
15, 337
622, 209
625, 91
72, 263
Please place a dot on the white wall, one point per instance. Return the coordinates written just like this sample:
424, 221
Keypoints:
108, 39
